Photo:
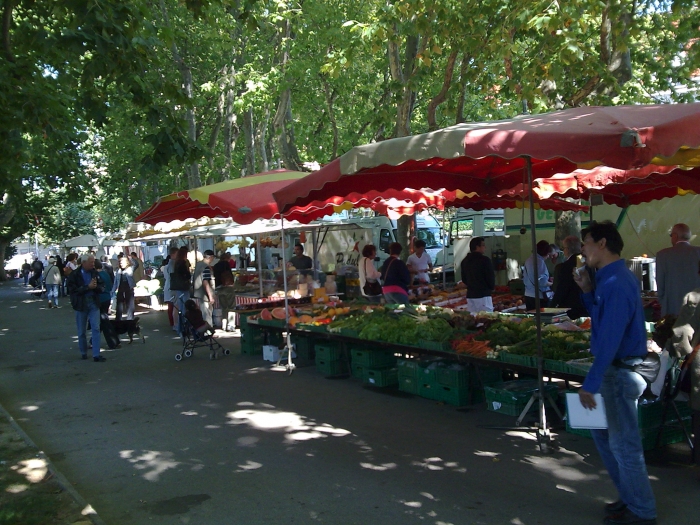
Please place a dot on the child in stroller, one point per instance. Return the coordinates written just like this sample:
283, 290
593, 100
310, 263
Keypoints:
194, 315
196, 332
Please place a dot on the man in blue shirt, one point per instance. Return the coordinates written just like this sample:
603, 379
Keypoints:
618, 336
85, 286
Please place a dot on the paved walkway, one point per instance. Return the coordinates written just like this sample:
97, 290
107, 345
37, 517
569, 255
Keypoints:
148, 440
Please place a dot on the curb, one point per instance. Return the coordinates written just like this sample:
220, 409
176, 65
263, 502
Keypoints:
60, 478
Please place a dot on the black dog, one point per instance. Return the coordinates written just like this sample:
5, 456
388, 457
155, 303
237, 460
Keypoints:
128, 326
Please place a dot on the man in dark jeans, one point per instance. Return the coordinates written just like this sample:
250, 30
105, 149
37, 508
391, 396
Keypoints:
479, 277
84, 287
618, 341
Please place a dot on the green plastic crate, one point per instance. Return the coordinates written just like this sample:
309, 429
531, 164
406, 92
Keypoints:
243, 318
331, 368
454, 376
489, 375
304, 346
371, 357
428, 390
435, 345
328, 351
408, 384
408, 368
649, 414
273, 323
669, 435
358, 371
382, 377
457, 396
516, 359
512, 397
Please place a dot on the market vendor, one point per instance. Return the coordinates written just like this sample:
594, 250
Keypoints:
543, 250
685, 345
419, 263
478, 276
222, 271
301, 262
567, 293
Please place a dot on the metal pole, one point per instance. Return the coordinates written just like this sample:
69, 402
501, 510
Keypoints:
543, 432
258, 256
444, 252
290, 365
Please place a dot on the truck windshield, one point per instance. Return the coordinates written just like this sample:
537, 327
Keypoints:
431, 236
492, 224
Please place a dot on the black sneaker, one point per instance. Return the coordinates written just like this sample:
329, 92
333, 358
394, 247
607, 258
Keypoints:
83, 356
99, 359
627, 517
616, 507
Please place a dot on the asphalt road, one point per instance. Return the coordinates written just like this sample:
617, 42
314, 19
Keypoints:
148, 440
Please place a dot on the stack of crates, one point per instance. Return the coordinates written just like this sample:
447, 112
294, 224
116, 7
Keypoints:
374, 366
304, 346
329, 359
649, 422
408, 375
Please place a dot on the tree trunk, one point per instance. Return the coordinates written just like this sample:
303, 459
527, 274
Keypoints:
442, 95
459, 118
261, 140
567, 223
282, 124
4, 243
230, 133
219, 119
249, 133
405, 232
330, 97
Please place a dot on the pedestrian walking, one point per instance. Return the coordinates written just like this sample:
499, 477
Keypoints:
84, 287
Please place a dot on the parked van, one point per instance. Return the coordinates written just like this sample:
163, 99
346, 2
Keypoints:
466, 224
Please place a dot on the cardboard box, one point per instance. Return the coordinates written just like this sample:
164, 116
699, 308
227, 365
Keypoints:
272, 353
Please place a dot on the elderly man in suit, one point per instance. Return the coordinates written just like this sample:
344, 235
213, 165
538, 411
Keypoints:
677, 270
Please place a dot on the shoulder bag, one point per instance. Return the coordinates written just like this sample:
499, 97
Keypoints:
371, 288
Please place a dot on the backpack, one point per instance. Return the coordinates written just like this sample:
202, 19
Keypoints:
67, 270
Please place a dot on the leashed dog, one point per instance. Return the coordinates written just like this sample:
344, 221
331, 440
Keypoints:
128, 326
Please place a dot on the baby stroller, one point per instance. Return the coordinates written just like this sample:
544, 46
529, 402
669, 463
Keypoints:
192, 339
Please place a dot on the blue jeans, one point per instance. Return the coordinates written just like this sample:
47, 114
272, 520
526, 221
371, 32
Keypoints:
396, 298
620, 445
81, 319
52, 293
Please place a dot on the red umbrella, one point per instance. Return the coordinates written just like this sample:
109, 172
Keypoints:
487, 158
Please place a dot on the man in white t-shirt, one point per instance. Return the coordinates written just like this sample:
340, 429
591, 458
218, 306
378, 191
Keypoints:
419, 263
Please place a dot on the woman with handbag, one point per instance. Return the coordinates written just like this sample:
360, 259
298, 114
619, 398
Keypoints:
369, 275
396, 277
684, 345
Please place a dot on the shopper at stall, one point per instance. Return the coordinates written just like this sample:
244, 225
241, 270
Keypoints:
180, 282
300, 262
395, 276
676, 270
419, 263
567, 294
543, 250
123, 287
369, 276
137, 264
685, 344
223, 276
478, 276
202, 286
618, 340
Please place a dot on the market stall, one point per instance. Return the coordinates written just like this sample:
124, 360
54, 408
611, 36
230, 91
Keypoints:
487, 158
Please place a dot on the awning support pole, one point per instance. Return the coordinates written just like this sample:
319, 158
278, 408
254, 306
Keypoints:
290, 365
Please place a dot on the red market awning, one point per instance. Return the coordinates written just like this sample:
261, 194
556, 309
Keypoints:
489, 158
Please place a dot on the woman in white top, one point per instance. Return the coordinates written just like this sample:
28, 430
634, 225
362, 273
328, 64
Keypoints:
368, 273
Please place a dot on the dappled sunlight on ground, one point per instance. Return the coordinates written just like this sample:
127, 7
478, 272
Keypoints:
565, 468
154, 462
436, 463
294, 426
29, 408
33, 470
